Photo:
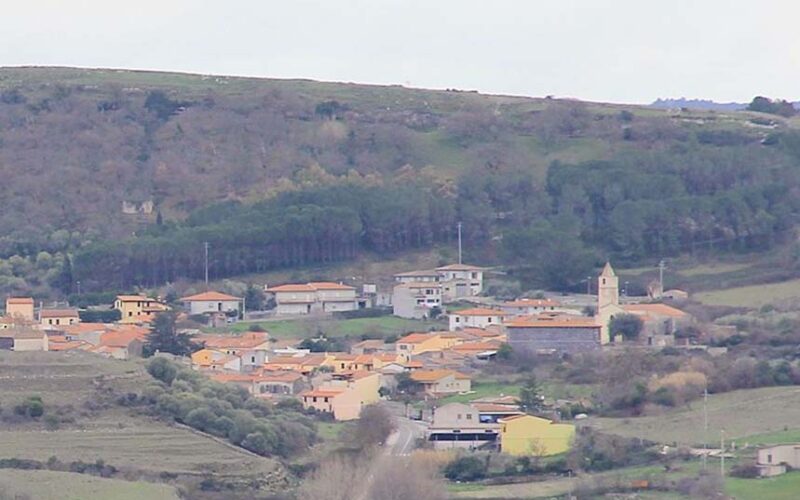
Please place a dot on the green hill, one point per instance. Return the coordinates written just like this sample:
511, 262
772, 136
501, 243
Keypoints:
286, 173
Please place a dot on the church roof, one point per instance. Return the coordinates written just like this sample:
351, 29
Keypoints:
608, 271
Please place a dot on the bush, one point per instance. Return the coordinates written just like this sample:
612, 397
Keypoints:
33, 407
467, 468
161, 369
100, 316
747, 471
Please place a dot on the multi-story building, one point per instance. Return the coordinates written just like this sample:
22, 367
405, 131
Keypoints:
138, 308
416, 299
314, 297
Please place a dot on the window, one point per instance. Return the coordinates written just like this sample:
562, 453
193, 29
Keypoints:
604, 281
458, 319
315, 399
769, 458
458, 417
490, 319
252, 359
469, 416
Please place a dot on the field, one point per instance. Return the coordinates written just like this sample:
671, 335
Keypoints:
482, 389
379, 327
752, 296
740, 414
785, 487
69, 486
82, 386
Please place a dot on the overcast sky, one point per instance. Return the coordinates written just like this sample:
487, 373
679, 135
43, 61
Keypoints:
601, 50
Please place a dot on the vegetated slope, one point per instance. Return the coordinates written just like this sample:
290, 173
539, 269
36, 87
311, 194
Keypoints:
88, 417
278, 173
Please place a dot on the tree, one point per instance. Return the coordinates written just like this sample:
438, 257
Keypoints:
465, 468
164, 337
162, 369
254, 298
530, 397
627, 325
372, 428
505, 352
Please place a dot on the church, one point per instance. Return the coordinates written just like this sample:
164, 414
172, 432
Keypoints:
660, 321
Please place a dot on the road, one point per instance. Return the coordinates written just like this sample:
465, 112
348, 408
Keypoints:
403, 439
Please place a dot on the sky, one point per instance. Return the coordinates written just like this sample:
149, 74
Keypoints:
628, 51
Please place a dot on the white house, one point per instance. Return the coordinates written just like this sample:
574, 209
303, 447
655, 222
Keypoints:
457, 280
314, 297
211, 302
416, 300
528, 307
478, 317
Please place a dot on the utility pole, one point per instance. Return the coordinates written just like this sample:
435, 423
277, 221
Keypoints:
722, 453
205, 246
705, 427
459, 243
588, 285
661, 266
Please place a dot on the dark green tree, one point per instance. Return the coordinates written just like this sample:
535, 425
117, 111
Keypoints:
627, 325
530, 396
254, 298
164, 337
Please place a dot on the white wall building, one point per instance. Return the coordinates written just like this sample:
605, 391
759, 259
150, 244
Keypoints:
416, 300
475, 318
212, 302
314, 297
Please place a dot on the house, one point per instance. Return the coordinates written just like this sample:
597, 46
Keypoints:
460, 280
121, 344
86, 332
251, 347
137, 308
426, 276
528, 307
437, 382
526, 435
491, 413
457, 425
659, 322
211, 360
416, 300
418, 343
479, 317
345, 396
212, 302
543, 334
244, 380
371, 346
301, 364
58, 317
20, 308
314, 297
278, 383
22, 338
61, 343
482, 349
776, 460
456, 280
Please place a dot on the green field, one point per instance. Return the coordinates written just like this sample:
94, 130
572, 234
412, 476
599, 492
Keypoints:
379, 327
47, 485
753, 296
481, 389
711, 269
785, 487
741, 414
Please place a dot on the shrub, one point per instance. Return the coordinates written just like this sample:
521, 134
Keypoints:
466, 468
747, 471
33, 407
161, 369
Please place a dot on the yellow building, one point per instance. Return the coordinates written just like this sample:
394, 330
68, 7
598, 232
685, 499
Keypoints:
344, 396
20, 308
418, 343
59, 317
137, 308
526, 435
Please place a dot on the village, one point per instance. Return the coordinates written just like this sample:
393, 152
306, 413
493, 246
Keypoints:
412, 373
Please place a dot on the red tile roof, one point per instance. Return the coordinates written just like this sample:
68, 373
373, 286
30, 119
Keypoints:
248, 340
209, 297
58, 313
564, 321
655, 310
19, 300
532, 303
479, 311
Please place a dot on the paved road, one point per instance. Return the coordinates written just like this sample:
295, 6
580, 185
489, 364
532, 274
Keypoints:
403, 440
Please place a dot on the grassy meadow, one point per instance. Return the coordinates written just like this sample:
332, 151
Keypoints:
45, 485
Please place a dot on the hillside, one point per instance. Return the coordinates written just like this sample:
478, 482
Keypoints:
88, 431
98, 155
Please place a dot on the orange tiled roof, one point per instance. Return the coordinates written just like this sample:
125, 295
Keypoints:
209, 296
479, 311
133, 298
553, 322
248, 340
84, 328
122, 338
532, 303
655, 310
19, 300
329, 285
278, 376
415, 338
58, 313
477, 346
321, 393
428, 376
232, 377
